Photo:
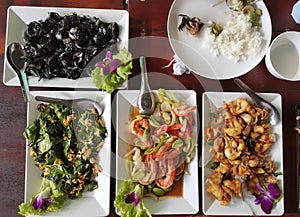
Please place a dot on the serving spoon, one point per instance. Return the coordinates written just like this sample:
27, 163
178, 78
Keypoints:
80, 104
145, 100
274, 114
16, 58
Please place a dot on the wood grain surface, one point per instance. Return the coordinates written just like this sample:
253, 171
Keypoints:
147, 18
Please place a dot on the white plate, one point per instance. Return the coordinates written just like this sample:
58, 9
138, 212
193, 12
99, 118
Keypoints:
19, 16
189, 202
211, 101
199, 59
95, 203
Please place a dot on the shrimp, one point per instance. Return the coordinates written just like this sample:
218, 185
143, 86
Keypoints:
161, 152
183, 109
162, 169
167, 180
150, 172
174, 152
180, 169
138, 128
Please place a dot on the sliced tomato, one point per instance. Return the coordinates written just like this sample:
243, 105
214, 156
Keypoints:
174, 127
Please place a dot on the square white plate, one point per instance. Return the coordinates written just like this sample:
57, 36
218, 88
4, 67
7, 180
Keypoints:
210, 102
95, 203
189, 202
20, 16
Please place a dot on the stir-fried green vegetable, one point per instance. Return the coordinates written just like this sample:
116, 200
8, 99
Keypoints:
65, 147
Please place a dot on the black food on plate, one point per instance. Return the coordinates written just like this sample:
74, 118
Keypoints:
192, 25
61, 46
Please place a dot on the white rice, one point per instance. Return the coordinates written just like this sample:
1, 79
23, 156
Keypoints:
237, 41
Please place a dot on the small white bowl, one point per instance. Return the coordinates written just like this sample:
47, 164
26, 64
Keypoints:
283, 58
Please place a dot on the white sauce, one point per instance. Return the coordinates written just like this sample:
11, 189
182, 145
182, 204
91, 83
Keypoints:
285, 60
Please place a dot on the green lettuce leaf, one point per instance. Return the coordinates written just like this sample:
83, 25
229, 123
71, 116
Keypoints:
128, 209
114, 80
58, 200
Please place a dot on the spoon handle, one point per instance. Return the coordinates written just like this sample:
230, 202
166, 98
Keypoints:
64, 102
257, 99
25, 87
144, 76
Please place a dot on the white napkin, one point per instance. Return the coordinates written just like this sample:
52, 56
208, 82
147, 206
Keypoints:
178, 67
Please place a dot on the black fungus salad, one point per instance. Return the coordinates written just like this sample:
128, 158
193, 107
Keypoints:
63, 45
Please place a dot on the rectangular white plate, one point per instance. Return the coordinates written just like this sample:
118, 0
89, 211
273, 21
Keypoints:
211, 101
189, 202
19, 16
95, 203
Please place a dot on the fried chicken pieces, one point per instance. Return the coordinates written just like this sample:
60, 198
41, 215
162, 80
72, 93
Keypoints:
240, 139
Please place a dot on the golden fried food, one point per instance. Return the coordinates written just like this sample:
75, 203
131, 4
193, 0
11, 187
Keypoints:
240, 138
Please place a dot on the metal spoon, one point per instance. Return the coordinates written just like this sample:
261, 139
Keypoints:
80, 104
16, 58
145, 101
274, 114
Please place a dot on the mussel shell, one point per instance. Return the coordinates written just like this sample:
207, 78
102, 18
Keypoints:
61, 46
54, 16
33, 31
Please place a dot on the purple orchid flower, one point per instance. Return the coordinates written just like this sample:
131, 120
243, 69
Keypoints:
42, 201
134, 197
109, 65
266, 197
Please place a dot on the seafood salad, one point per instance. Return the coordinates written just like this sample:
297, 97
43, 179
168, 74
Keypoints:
240, 139
162, 146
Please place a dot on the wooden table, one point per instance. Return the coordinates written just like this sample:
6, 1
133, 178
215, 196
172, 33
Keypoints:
147, 18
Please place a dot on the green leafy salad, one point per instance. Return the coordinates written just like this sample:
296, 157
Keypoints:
113, 71
65, 146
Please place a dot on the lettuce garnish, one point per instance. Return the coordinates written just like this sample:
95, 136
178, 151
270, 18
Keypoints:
47, 199
113, 71
129, 201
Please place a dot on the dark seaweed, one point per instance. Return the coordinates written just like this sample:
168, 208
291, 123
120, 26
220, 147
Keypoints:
61, 46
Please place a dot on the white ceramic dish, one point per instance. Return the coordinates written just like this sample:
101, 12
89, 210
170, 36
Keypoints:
19, 16
95, 203
190, 49
189, 202
282, 57
211, 101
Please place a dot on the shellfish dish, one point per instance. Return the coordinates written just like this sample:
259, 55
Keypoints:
62, 45
159, 156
